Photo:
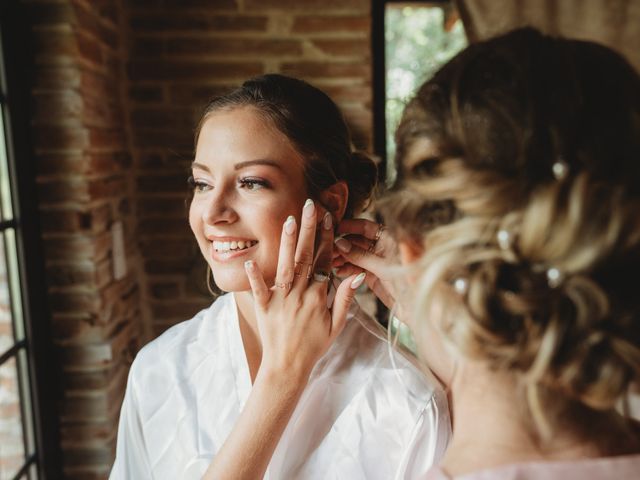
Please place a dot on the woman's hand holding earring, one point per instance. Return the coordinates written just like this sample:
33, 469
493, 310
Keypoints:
367, 246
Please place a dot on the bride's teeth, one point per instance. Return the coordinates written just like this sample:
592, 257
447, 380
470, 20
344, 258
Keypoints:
233, 245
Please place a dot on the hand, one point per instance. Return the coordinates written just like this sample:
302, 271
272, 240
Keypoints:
296, 326
367, 246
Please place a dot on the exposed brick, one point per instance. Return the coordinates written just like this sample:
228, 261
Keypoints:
74, 273
104, 188
51, 14
164, 290
197, 22
349, 93
155, 117
106, 138
88, 247
184, 70
198, 95
162, 207
318, 69
146, 94
165, 227
181, 139
90, 50
57, 77
330, 24
67, 137
71, 164
57, 107
361, 6
177, 310
56, 43
65, 221
74, 189
167, 266
246, 47
360, 48
74, 301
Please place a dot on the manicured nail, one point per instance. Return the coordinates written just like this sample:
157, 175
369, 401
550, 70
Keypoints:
309, 208
343, 244
328, 221
249, 266
290, 225
358, 280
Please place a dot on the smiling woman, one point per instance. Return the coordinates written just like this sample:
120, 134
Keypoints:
272, 381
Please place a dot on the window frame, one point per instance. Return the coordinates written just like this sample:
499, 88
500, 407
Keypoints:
41, 358
379, 76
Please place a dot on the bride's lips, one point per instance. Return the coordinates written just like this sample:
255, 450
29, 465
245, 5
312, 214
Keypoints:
225, 256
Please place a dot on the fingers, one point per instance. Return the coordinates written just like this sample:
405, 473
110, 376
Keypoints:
306, 239
344, 296
359, 226
324, 254
261, 293
360, 257
284, 273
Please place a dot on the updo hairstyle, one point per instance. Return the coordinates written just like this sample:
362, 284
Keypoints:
528, 209
316, 128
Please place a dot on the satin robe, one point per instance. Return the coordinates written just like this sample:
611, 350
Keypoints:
367, 412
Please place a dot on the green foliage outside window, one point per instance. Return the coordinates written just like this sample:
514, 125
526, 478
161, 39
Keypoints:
416, 45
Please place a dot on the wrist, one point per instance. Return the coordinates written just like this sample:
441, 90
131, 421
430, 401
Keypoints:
290, 380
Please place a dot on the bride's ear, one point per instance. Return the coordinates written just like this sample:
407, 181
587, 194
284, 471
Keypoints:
335, 199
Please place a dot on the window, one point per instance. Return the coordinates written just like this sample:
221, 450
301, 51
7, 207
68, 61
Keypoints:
417, 38
17, 443
29, 440
411, 41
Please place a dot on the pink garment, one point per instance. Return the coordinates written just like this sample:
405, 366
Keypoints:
625, 467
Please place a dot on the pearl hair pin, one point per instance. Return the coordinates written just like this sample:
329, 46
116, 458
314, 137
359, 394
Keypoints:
504, 239
460, 285
560, 169
554, 277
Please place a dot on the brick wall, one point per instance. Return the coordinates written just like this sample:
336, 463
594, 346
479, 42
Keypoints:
119, 86
83, 164
183, 52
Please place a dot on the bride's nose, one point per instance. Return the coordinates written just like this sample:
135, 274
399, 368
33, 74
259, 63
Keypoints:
219, 208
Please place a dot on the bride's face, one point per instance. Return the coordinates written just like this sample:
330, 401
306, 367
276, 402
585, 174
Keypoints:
248, 180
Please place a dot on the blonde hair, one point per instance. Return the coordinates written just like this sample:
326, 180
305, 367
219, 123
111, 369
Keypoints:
548, 263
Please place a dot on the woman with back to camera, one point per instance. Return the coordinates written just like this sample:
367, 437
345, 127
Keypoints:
516, 216
268, 381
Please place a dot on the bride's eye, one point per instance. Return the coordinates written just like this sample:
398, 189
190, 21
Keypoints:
251, 183
198, 186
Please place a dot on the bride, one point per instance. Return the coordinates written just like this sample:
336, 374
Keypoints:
283, 377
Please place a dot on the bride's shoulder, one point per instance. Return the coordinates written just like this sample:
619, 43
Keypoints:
168, 349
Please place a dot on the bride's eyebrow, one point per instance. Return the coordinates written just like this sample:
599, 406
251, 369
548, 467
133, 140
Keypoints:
200, 166
261, 161
241, 165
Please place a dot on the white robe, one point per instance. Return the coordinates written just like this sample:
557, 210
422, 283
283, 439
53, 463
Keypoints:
365, 414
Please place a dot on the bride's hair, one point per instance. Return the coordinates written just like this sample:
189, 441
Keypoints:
529, 213
315, 127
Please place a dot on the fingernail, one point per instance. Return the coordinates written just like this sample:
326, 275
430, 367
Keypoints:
328, 221
343, 244
309, 208
290, 225
358, 280
248, 265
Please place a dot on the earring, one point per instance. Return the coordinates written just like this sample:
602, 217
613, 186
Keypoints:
211, 286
